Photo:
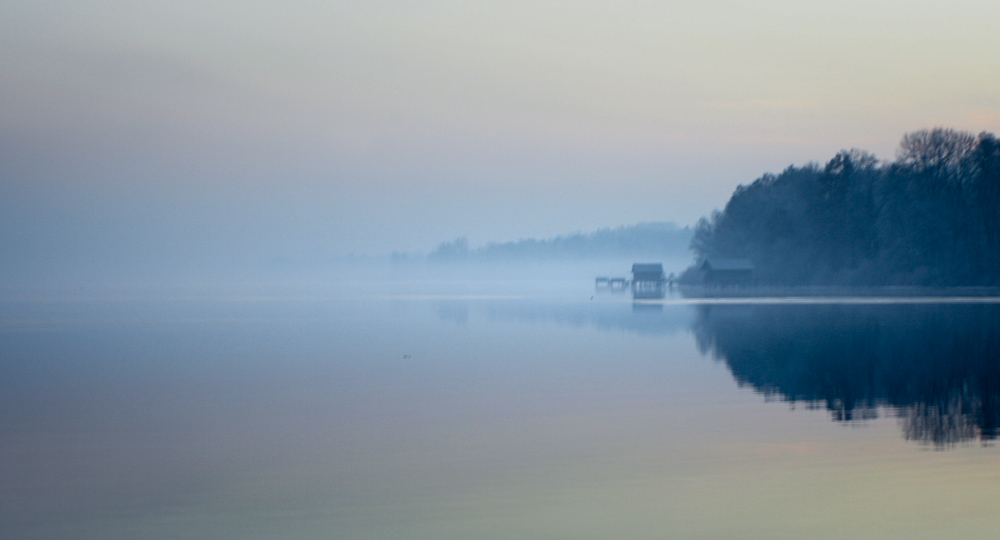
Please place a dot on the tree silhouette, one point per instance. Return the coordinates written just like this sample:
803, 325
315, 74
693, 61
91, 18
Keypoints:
932, 217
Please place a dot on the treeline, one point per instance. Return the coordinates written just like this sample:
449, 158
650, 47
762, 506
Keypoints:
932, 217
643, 239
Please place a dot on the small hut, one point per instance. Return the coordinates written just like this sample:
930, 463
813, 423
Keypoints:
648, 273
727, 272
648, 281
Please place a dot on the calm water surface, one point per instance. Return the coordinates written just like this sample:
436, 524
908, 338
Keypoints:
400, 416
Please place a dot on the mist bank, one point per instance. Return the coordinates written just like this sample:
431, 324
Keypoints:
931, 217
654, 241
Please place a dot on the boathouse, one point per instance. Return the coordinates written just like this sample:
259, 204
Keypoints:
648, 273
648, 281
725, 272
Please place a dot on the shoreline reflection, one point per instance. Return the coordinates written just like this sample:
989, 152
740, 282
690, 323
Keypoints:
937, 366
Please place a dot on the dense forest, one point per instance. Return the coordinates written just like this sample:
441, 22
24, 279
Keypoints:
643, 239
931, 217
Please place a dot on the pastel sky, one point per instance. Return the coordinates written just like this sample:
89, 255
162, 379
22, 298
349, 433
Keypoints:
337, 127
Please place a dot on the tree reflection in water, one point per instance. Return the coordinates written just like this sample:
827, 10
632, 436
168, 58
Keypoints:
936, 365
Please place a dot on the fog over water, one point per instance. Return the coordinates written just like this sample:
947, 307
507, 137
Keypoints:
364, 270
402, 408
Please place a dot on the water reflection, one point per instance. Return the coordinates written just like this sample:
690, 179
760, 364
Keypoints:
494, 417
646, 307
633, 317
937, 366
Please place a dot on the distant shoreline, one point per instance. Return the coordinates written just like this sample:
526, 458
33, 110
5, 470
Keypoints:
841, 292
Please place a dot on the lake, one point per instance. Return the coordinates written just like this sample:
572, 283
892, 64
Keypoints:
556, 412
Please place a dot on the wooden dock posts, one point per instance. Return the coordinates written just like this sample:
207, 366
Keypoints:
612, 283
648, 281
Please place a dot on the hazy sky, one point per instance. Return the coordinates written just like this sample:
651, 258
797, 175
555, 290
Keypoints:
282, 128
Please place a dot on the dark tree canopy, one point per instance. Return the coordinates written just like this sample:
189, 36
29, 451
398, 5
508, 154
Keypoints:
932, 217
